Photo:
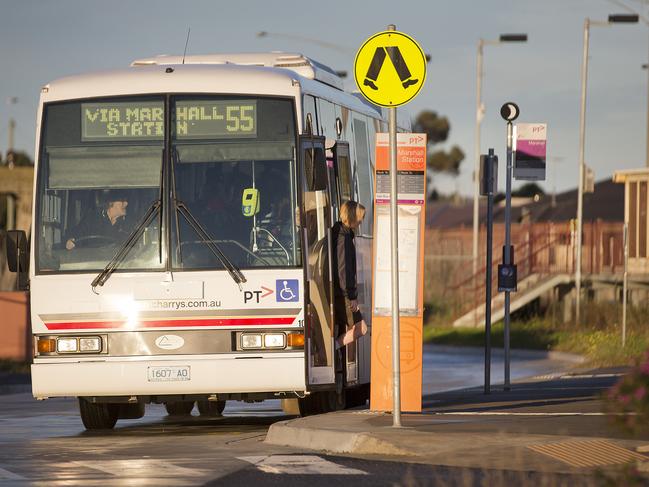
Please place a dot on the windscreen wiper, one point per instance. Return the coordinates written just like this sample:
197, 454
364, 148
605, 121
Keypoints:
130, 242
122, 252
180, 207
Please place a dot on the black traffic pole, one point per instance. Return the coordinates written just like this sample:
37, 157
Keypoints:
488, 187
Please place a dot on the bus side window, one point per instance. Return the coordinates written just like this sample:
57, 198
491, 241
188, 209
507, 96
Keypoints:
315, 197
308, 108
327, 119
363, 171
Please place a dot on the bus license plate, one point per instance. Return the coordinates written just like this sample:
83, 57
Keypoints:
172, 373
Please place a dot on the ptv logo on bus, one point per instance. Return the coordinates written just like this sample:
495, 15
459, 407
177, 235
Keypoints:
256, 295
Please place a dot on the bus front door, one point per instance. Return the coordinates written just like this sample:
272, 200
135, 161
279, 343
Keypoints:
316, 210
343, 192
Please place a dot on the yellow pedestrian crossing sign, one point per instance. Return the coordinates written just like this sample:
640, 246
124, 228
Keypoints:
390, 68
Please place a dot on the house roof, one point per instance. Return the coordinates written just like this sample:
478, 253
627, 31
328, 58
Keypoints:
605, 203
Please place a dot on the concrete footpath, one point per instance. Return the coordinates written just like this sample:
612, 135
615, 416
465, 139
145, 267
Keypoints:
553, 424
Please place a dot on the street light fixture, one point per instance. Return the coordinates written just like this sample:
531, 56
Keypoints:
612, 19
479, 112
311, 40
623, 19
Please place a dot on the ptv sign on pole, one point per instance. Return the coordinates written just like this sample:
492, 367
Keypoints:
390, 69
530, 140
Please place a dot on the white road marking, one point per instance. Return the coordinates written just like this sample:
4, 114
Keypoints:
7, 475
505, 413
564, 376
144, 467
590, 376
299, 465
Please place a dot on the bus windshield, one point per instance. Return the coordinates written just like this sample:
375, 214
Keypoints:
237, 179
230, 172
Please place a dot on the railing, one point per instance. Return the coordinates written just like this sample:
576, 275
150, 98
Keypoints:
543, 249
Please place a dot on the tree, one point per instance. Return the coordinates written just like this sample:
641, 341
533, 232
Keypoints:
437, 129
529, 190
449, 162
19, 158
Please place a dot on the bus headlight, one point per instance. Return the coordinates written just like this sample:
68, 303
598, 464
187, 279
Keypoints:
90, 344
251, 341
274, 340
65, 345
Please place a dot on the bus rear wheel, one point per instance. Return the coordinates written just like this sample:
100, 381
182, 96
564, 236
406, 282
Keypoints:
98, 416
308, 406
179, 408
321, 402
210, 408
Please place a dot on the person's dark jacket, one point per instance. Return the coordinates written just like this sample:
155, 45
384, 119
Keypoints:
98, 224
344, 261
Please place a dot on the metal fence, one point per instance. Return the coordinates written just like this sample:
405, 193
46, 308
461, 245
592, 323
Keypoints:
539, 248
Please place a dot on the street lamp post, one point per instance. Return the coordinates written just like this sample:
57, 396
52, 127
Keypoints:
479, 112
617, 18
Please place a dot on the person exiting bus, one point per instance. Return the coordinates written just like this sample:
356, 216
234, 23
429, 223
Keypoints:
348, 317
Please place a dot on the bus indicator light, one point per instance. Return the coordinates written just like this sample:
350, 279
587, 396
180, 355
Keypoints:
46, 345
295, 340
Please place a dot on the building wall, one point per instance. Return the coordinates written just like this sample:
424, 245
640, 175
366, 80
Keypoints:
14, 321
18, 182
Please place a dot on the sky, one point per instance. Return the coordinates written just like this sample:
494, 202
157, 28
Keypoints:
44, 40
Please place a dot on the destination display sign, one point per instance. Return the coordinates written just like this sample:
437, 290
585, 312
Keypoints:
216, 119
195, 119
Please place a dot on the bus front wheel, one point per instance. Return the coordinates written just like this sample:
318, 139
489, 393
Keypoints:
98, 416
179, 408
210, 408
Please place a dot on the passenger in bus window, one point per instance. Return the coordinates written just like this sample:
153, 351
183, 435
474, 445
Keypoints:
217, 206
102, 227
348, 317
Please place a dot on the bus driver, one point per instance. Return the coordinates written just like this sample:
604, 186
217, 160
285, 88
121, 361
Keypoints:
105, 226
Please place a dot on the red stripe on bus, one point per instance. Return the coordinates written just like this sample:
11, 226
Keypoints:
85, 325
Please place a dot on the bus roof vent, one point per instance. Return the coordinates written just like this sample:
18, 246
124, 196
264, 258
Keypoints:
295, 62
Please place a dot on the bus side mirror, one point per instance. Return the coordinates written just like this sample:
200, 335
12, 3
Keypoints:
250, 202
17, 250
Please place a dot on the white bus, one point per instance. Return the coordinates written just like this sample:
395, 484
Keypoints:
212, 280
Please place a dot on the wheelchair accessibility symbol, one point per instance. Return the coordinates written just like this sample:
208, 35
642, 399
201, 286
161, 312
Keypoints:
287, 290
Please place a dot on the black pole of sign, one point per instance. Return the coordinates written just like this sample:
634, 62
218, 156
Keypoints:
507, 271
489, 178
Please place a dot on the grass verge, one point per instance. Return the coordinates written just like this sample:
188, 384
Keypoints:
599, 341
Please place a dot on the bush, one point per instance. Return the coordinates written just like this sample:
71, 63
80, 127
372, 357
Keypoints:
628, 400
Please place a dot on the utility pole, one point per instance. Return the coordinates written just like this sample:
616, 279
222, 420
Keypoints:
612, 19
479, 114
12, 100
10, 145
